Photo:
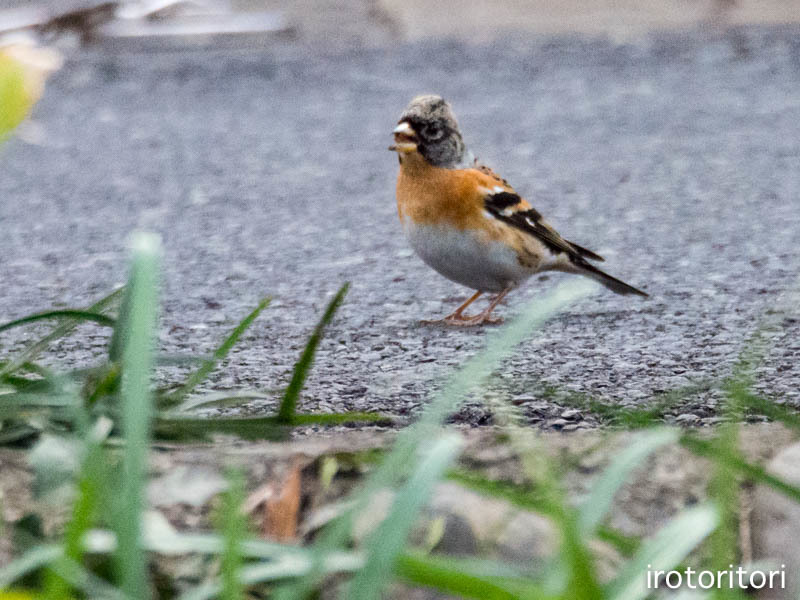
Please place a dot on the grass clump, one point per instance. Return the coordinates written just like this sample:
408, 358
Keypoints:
34, 399
109, 543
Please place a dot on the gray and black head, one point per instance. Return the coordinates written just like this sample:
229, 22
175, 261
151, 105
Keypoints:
428, 126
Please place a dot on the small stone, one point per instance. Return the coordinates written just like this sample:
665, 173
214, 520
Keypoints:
217, 316
369, 519
776, 524
484, 515
687, 418
527, 538
192, 485
458, 538
571, 414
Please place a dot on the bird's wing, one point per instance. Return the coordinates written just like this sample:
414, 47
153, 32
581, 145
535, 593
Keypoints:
503, 203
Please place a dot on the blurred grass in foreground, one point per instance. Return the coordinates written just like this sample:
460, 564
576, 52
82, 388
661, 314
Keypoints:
35, 400
109, 540
14, 103
23, 71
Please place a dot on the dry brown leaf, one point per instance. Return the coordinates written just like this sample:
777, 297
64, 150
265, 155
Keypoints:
280, 504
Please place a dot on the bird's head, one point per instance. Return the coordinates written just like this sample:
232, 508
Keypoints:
429, 127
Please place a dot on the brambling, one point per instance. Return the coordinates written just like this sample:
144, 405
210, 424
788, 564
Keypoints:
467, 222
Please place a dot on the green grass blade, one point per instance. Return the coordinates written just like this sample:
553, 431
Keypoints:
288, 406
468, 377
736, 463
219, 354
180, 360
474, 372
582, 583
233, 524
301, 419
532, 499
173, 543
137, 360
389, 539
23, 400
73, 314
624, 543
119, 339
220, 400
723, 488
87, 582
666, 549
104, 383
91, 483
522, 497
164, 540
177, 427
753, 403
32, 351
29, 562
454, 392
295, 566
633, 418
285, 566
572, 571
43, 380
457, 576
596, 506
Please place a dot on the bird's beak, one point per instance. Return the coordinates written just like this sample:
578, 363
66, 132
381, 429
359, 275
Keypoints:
405, 138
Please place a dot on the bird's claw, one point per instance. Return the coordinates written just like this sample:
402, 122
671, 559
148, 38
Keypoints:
463, 321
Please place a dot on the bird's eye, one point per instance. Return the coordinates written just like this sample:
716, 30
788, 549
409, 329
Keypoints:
432, 131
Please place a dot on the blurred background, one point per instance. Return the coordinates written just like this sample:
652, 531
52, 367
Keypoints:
375, 21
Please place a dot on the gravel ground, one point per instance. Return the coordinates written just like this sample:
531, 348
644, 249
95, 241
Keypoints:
266, 173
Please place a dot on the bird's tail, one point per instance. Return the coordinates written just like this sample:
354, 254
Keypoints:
612, 283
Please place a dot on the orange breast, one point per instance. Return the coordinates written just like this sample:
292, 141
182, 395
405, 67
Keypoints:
434, 196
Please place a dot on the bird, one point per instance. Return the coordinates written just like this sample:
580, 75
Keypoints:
468, 223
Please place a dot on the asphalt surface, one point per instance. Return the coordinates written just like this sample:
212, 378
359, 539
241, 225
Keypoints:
266, 172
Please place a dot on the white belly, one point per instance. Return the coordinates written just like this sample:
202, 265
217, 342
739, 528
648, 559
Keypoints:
466, 258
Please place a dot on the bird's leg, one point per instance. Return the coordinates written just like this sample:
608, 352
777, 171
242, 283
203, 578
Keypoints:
485, 315
456, 317
457, 313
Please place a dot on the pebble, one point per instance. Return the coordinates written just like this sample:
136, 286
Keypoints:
571, 414
776, 524
686, 418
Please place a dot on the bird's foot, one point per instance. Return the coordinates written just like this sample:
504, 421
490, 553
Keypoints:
483, 318
458, 320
